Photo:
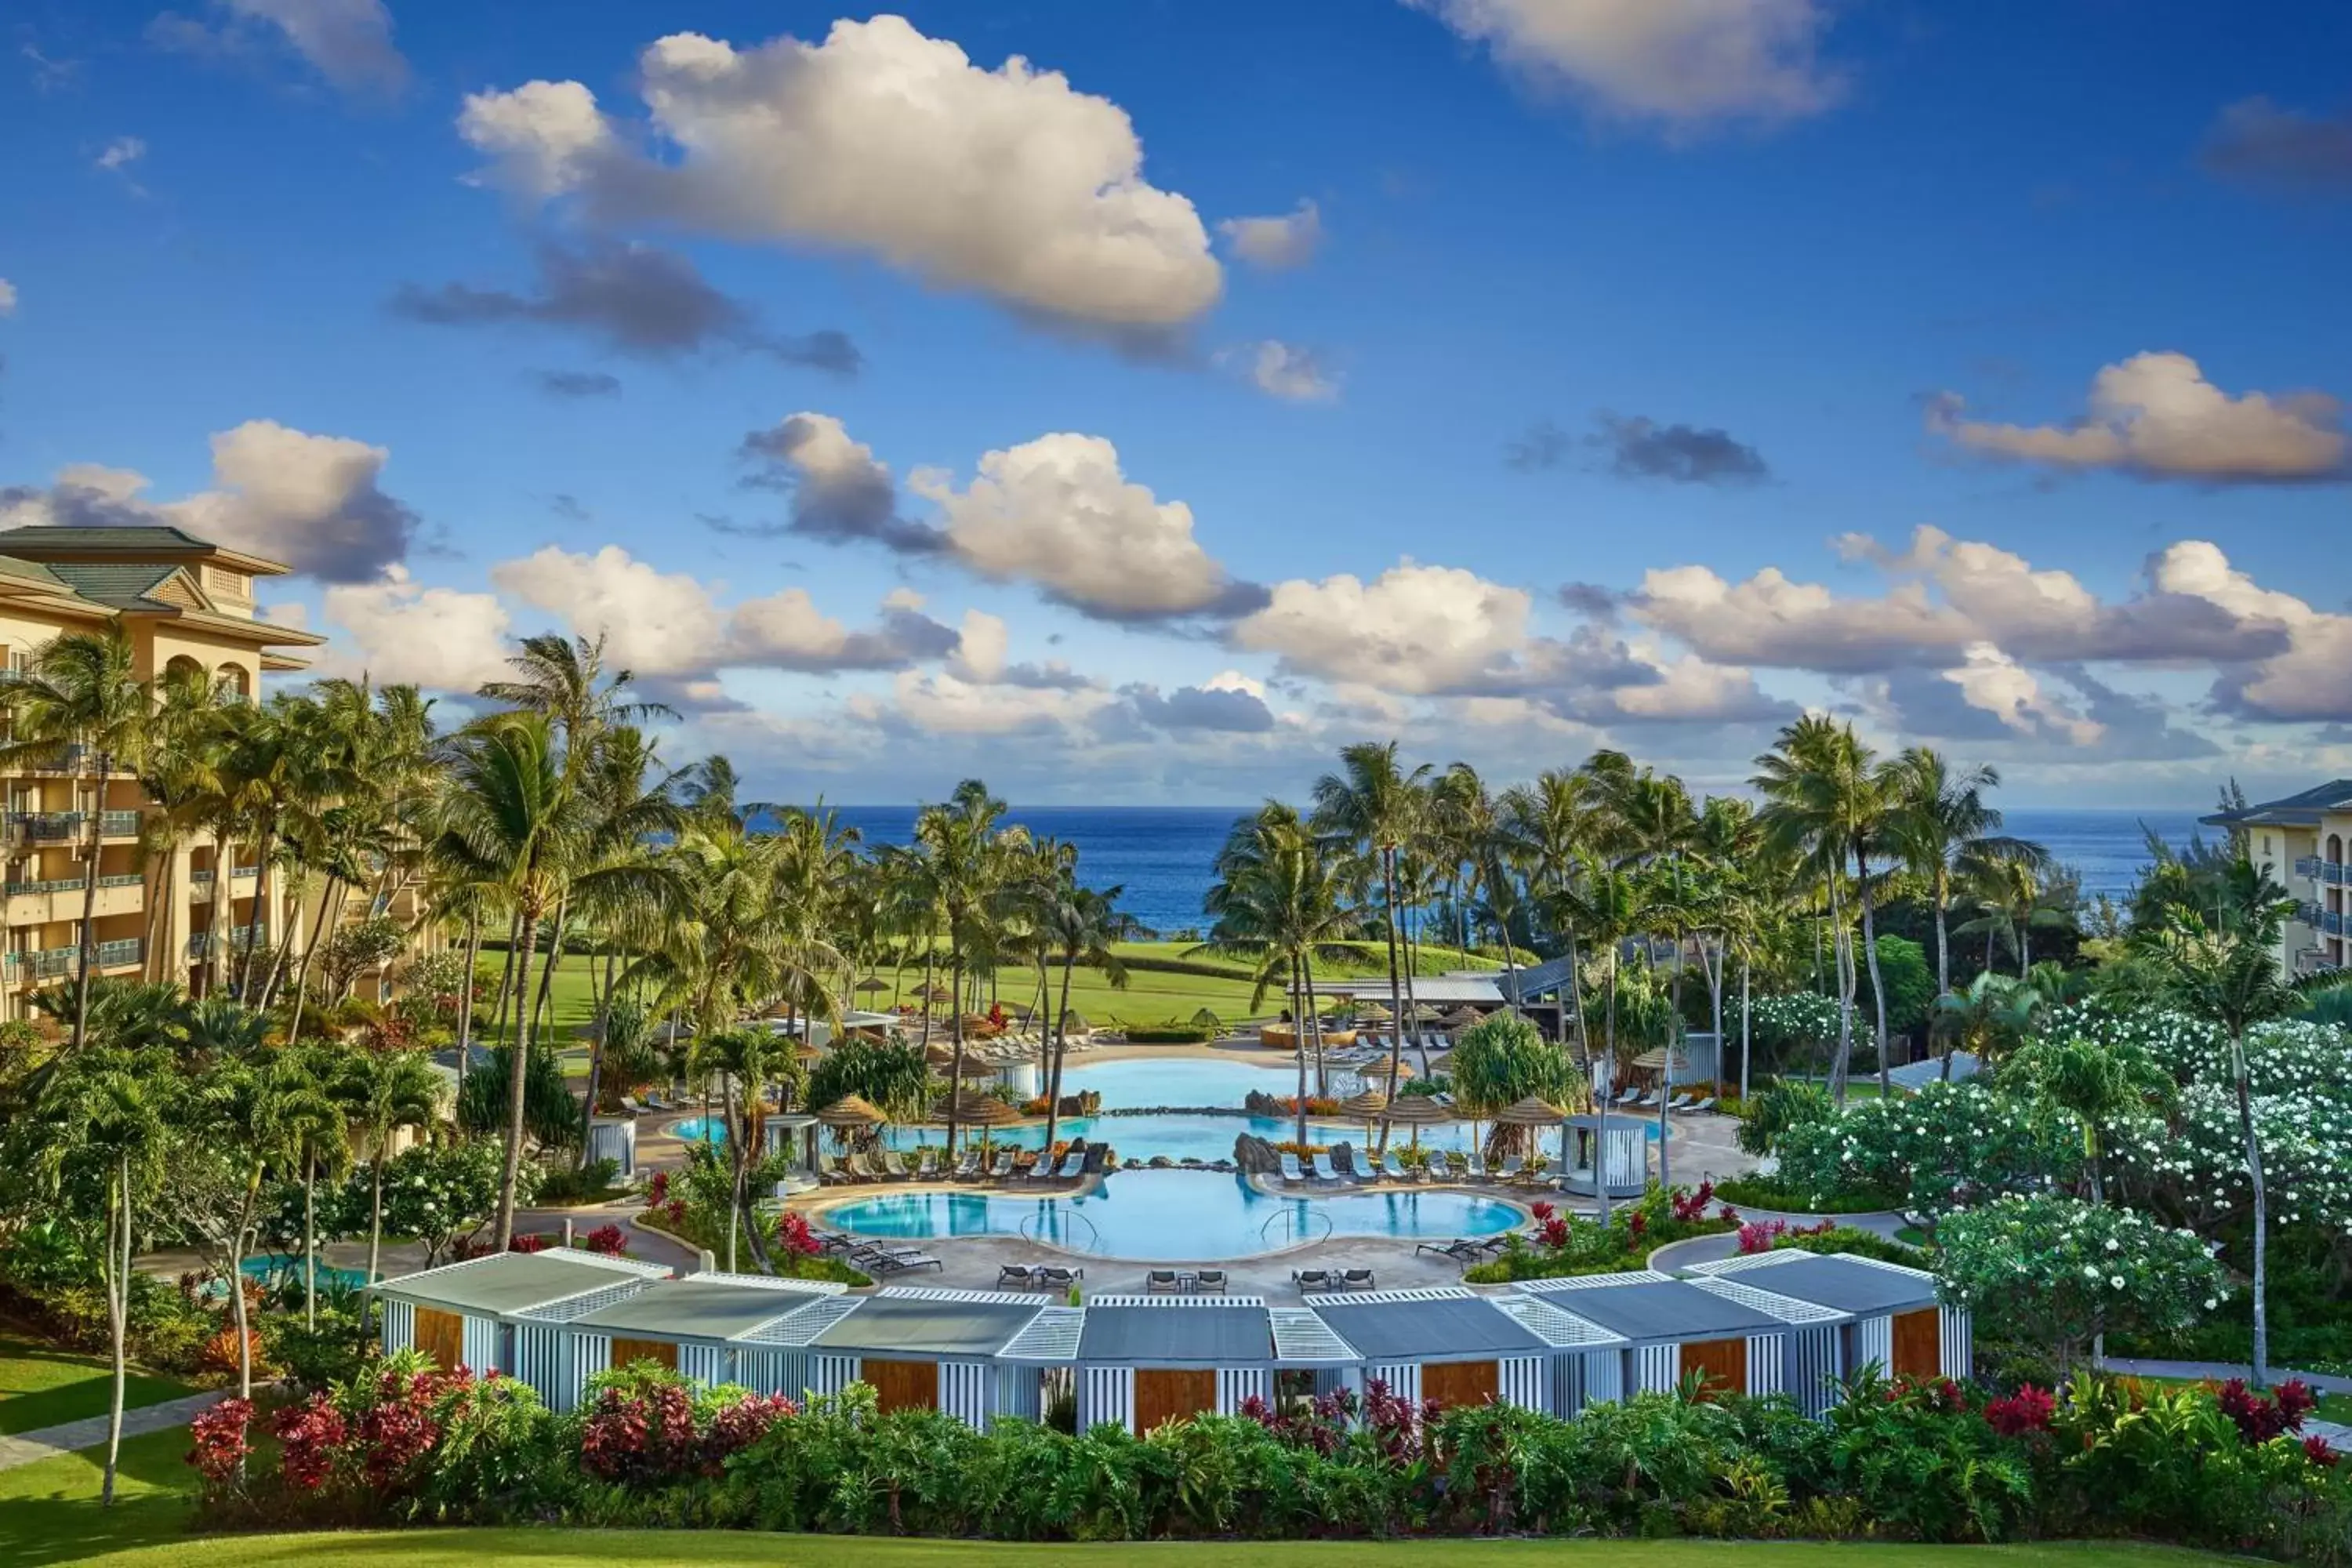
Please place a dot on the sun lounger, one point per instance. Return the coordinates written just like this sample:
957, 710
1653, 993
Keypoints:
658, 1101
927, 1163
1015, 1276
1210, 1280
1003, 1167
1053, 1277
1474, 1165
1312, 1278
1320, 1168
1697, 1106
1511, 1169
1290, 1170
1647, 1102
1160, 1282
1678, 1100
1356, 1280
967, 1168
895, 1166
1393, 1167
867, 1164
1440, 1169
1632, 1093
1461, 1249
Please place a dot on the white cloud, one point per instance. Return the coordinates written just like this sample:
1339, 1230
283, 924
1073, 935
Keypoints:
397, 630
980, 649
311, 501
1680, 63
121, 152
1687, 690
2309, 679
350, 41
1276, 243
938, 702
670, 625
1284, 371
881, 140
7, 298
2155, 415
1414, 630
1994, 683
1057, 512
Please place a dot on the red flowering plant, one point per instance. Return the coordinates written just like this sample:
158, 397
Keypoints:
793, 1234
645, 1426
2316, 1450
1689, 1208
2257, 1419
222, 1441
535, 1242
609, 1240
2028, 1410
1320, 1424
310, 1440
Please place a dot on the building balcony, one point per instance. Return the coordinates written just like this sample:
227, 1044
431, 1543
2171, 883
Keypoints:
241, 940
45, 964
118, 824
50, 826
2332, 923
61, 899
2308, 913
121, 953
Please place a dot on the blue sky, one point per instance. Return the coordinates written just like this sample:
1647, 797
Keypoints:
1583, 299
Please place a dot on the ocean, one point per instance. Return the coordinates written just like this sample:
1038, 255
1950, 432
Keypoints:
1160, 857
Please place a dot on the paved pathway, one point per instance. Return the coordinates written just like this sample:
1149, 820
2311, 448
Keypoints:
2221, 1372
70, 1436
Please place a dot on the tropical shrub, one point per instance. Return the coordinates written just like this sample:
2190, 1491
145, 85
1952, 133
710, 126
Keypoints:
1950, 1145
2057, 1272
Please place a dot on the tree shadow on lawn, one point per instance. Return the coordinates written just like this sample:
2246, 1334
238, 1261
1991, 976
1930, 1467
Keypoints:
52, 1507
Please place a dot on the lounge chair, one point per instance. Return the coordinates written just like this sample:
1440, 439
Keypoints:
1695, 1106
1393, 1167
631, 1106
894, 1166
1003, 1167
1678, 1100
1053, 1277
1320, 1168
1356, 1280
1474, 1165
1312, 1278
927, 1163
1647, 1102
1160, 1282
1290, 1170
893, 1259
658, 1101
1548, 1175
1511, 1169
1440, 1169
967, 1168
1209, 1279
835, 1240
868, 1164
1632, 1093
1461, 1249
1015, 1276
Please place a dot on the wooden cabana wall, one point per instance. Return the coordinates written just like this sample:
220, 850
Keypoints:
1673, 1329
497, 1312
917, 1349
1884, 1314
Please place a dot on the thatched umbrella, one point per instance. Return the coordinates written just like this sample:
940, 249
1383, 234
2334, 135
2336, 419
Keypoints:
1365, 1107
849, 1114
1537, 1113
1651, 1060
1075, 1022
871, 984
1460, 1018
1416, 1112
935, 993
972, 1109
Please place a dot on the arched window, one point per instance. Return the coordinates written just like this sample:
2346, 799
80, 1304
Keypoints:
235, 684
2336, 847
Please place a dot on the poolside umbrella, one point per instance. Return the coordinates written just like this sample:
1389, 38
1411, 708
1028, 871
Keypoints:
936, 994
849, 1111
871, 984
1416, 1112
1460, 1018
974, 1109
1535, 1112
1373, 1012
1075, 1022
1366, 1108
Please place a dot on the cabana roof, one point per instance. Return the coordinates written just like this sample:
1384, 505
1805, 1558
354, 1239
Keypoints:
1860, 1286
707, 1307
1176, 1331
506, 1282
1448, 1323
928, 1323
1052, 1336
1641, 1305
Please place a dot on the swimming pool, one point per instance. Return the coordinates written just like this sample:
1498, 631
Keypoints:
1174, 1217
700, 1130
272, 1268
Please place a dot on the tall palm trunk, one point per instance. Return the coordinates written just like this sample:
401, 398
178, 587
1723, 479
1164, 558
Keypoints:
465, 999
1845, 993
1744, 1011
88, 956
310, 1239
1396, 987
1943, 897
1298, 1040
518, 1054
955, 1073
332, 896
1600, 1100
542, 1003
267, 843
1060, 1048
1313, 1020
375, 1208
1870, 954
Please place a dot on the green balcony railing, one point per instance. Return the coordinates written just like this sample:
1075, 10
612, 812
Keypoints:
54, 885
50, 824
122, 879
117, 824
128, 950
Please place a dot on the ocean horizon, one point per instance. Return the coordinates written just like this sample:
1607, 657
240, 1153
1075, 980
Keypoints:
1163, 858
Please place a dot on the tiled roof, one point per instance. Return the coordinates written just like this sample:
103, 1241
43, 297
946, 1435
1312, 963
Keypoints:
2299, 810
125, 588
30, 571
159, 537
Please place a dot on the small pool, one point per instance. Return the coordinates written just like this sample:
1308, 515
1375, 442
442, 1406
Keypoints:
700, 1130
267, 1269
1173, 1217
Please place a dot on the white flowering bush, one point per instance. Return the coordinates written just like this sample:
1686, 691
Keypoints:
443, 1193
1801, 1019
2054, 1273
1947, 1147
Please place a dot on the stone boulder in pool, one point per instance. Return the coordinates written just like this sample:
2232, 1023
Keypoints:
1256, 1157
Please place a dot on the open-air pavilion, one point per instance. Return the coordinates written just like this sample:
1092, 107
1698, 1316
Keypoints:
917, 1349
696, 1326
1674, 1329
1143, 1360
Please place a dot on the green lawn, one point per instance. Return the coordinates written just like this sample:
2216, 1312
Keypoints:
42, 1386
49, 1512
601, 1549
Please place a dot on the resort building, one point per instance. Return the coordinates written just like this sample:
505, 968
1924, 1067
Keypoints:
1887, 1316
504, 1309
707, 1326
174, 908
2302, 842
1729, 1336
1452, 1346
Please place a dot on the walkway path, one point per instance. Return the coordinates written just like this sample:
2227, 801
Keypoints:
70, 1436
2221, 1372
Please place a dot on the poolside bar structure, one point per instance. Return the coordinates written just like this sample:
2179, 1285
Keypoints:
1886, 1314
1620, 1148
795, 1135
699, 1326
1142, 1361
1734, 1339
614, 1138
500, 1311
917, 1349
1455, 1347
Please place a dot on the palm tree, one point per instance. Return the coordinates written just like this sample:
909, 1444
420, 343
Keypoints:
82, 695
382, 1092
1827, 798
1550, 828
746, 1057
179, 780
2015, 899
1613, 905
2221, 962
262, 1106
1987, 1019
2095, 1085
958, 843
1078, 925
1376, 806
1941, 824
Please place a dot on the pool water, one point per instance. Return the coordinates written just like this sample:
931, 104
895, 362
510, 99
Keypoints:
1167, 1216
267, 1269
700, 1130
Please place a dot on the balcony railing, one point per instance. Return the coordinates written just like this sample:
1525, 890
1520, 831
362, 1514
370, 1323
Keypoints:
240, 873
54, 885
122, 879
2332, 871
48, 825
46, 963
2307, 865
127, 950
2332, 923
118, 824
2308, 913
241, 940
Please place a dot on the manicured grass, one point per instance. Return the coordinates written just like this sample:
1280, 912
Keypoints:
49, 1512
601, 1549
42, 1386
